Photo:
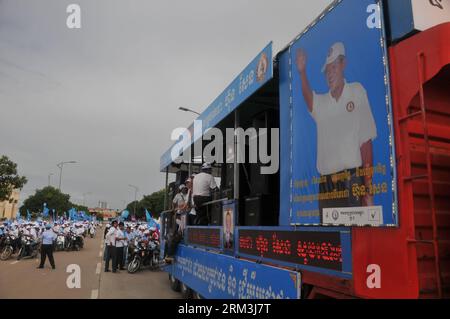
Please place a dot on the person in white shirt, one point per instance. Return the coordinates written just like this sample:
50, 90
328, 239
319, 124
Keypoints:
345, 129
202, 188
190, 201
110, 242
30, 232
180, 204
120, 244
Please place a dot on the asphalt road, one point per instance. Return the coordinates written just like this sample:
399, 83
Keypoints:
21, 279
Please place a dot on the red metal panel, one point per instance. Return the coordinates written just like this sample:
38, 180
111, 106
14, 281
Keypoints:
389, 248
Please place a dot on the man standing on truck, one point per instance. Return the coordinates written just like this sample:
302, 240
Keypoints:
203, 185
345, 130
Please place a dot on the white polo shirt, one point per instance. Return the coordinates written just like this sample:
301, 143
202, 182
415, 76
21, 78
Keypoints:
111, 235
120, 234
203, 184
343, 126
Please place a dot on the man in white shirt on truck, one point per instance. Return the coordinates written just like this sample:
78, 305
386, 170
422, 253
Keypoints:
202, 188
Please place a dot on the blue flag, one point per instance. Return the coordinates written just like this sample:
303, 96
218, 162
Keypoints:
125, 214
72, 214
18, 216
45, 211
28, 215
148, 216
150, 220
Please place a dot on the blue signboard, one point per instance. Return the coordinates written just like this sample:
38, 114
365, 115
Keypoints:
253, 77
336, 113
223, 277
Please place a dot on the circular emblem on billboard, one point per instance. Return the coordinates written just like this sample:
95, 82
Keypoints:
350, 107
261, 69
335, 214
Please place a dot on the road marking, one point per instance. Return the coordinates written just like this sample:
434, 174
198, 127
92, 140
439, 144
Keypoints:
14, 262
94, 294
99, 266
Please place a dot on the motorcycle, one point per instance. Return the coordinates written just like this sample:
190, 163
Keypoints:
28, 249
11, 246
74, 242
145, 254
2, 241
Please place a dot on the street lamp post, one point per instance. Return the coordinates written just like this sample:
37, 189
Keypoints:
136, 189
49, 175
61, 165
185, 109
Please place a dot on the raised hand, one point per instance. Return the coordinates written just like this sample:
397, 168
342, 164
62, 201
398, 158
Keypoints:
301, 60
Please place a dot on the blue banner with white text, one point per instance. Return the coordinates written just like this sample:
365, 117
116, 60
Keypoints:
216, 276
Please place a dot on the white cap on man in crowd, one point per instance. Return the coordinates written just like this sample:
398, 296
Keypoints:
206, 166
336, 50
182, 186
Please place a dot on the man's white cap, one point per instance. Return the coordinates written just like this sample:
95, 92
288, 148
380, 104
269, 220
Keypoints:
182, 186
206, 166
335, 52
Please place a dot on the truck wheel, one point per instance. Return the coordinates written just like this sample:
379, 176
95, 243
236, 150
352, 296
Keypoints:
174, 283
186, 292
196, 295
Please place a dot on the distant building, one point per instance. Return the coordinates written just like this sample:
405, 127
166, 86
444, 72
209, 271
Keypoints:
8, 209
103, 205
107, 213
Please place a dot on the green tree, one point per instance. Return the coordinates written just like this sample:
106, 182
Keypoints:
139, 209
153, 202
50, 195
9, 179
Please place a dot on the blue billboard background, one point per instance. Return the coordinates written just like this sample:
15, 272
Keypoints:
223, 277
348, 23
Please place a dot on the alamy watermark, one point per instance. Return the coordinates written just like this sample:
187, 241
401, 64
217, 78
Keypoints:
213, 152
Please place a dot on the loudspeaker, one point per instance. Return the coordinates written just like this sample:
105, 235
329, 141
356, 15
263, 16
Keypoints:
227, 180
260, 211
172, 191
181, 177
259, 183
215, 214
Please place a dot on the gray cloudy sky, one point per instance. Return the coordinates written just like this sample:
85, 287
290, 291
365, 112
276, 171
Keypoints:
107, 95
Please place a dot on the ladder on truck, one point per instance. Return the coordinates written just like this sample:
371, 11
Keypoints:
417, 123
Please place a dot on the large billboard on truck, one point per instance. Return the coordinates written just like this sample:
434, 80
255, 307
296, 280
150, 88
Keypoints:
338, 120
